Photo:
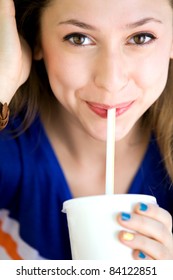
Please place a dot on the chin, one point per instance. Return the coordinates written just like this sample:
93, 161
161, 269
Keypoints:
99, 137
96, 134
124, 132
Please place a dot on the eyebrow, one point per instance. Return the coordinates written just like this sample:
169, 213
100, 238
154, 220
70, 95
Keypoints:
142, 22
87, 26
78, 24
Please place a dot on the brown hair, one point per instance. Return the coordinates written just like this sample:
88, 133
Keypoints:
159, 117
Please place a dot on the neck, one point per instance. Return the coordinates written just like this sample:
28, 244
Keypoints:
83, 158
67, 132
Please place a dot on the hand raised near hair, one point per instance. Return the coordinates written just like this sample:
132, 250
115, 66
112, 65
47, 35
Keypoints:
15, 55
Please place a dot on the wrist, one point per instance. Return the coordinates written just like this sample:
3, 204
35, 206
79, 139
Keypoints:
4, 115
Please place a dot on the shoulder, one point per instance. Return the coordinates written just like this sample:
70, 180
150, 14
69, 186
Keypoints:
15, 154
28, 158
13, 140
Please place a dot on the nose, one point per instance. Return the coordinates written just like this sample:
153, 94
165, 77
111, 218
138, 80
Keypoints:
111, 73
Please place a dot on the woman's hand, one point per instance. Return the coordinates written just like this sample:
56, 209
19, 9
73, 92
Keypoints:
15, 55
153, 238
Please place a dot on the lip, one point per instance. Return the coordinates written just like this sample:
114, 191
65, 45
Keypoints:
101, 109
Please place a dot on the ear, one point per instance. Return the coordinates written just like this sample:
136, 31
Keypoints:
37, 55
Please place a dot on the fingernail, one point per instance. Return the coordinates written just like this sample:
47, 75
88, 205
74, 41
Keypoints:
143, 207
125, 216
141, 255
128, 236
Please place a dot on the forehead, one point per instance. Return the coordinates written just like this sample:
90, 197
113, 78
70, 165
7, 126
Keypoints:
108, 10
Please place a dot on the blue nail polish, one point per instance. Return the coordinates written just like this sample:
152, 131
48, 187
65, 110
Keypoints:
141, 255
143, 207
125, 216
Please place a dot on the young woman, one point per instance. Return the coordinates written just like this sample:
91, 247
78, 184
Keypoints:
62, 67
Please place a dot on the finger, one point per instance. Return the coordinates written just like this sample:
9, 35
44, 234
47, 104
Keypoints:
147, 248
147, 226
140, 255
155, 212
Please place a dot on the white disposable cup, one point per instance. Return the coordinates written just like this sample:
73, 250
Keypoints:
93, 227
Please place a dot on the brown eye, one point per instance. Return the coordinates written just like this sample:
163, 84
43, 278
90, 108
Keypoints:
78, 39
141, 39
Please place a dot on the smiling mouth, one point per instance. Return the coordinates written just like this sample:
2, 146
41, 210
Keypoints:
102, 109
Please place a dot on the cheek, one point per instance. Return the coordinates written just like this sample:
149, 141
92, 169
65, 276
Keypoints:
65, 73
152, 76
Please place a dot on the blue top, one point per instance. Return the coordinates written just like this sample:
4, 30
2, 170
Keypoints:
33, 189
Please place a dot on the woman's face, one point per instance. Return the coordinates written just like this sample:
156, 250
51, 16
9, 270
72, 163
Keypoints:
101, 54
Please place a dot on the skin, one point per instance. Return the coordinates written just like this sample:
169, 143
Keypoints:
112, 69
15, 75
109, 70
